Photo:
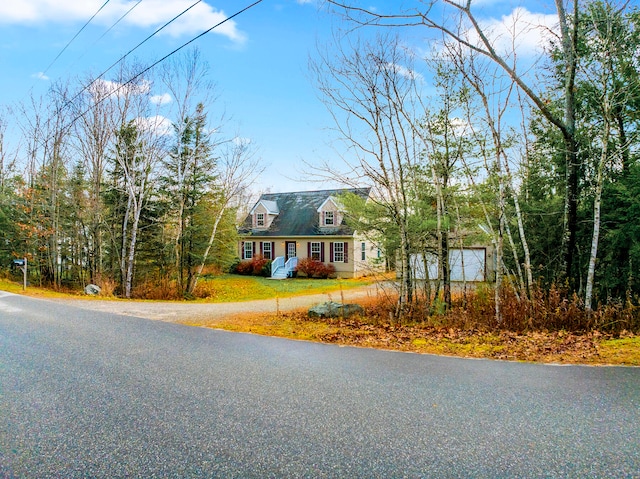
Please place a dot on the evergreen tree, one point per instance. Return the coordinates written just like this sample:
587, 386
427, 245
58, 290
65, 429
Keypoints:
189, 174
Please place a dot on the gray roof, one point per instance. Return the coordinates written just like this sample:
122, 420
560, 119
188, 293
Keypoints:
298, 214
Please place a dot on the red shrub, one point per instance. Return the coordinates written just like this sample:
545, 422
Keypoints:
257, 266
314, 268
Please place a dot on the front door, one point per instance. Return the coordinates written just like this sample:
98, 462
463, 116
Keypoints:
290, 247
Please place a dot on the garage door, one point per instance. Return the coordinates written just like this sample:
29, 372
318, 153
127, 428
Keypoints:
465, 265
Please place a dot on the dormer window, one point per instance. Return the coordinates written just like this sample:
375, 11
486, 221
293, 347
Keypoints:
260, 219
328, 218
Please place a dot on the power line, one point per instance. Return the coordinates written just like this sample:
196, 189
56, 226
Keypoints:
75, 36
131, 51
139, 74
109, 29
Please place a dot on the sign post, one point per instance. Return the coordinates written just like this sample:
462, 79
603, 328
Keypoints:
22, 264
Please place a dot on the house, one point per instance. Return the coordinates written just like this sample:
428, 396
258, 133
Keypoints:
287, 227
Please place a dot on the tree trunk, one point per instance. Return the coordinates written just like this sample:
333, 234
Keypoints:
597, 203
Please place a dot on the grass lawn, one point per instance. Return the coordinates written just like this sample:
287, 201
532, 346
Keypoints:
222, 289
231, 288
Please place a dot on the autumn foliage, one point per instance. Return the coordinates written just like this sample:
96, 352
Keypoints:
552, 309
315, 269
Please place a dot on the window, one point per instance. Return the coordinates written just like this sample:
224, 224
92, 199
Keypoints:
328, 218
248, 250
338, 252
266, 250
315, 251
259, 219
363, 250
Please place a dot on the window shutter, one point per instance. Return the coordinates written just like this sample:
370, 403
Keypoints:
253, 250
331, 252
322, 251
261, 248
346, 252
242, 250
273, 250
308, 249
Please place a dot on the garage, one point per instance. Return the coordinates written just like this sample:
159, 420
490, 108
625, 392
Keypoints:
468, 264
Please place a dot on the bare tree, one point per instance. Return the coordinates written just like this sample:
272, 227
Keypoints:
44, 125
459, 23
371, 94
7, 160
93, 133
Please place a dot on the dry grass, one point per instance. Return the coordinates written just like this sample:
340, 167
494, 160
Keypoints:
546, 347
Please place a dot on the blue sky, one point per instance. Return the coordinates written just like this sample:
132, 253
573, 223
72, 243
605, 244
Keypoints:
258, 60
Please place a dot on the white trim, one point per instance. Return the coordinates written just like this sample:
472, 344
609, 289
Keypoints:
324, 218
331, 199
267, 243
318, 252
246, 249
270, 206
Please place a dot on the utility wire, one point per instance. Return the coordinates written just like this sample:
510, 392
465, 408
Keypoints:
139, 74
74, 37
131, 51
109, 29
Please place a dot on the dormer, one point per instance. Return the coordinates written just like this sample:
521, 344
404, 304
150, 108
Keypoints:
330, 213
263, 214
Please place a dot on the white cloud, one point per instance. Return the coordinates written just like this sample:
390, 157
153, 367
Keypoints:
521, 29
40, 76
405, 72
158, 124
241, 141
102, 88
161, 99
150, 13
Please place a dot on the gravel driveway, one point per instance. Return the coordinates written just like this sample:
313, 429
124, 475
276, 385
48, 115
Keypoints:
173, 311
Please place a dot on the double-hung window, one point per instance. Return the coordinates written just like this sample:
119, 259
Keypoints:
315, 251
328, 218
248, 250
363, 250
259, 219
338, 252
266, 250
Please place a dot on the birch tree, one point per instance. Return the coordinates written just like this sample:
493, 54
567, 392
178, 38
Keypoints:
458, 22
370, 90
237, 167
602, 76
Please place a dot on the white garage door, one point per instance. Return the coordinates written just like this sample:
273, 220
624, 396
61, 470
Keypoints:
465, 265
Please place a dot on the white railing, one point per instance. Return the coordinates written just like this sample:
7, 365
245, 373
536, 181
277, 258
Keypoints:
291, 265
276, 264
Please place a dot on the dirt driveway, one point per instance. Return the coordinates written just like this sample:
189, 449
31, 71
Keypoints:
205, 312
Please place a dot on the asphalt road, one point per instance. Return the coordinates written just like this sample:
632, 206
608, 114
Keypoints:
92, 394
